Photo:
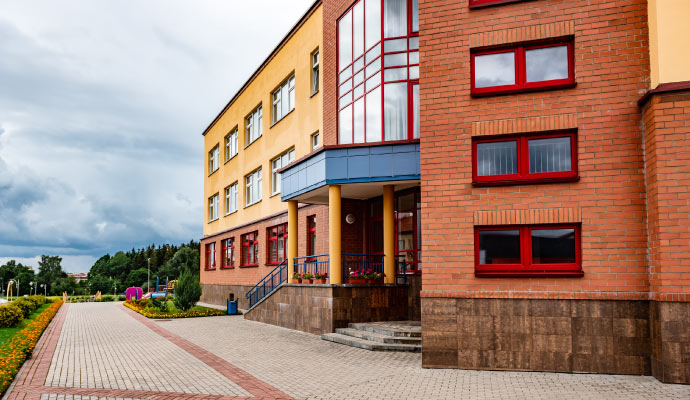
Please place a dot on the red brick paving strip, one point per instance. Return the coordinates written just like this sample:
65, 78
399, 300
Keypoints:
243, 379
29, 383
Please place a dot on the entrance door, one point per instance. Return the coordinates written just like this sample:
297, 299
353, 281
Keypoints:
376, 226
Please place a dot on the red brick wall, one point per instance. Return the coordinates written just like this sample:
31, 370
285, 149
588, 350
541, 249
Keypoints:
251, 275
611, 69
667, 151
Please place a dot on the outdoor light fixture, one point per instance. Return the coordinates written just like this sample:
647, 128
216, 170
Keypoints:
350, 219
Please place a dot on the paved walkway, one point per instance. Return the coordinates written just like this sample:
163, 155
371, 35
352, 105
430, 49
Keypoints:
105, 351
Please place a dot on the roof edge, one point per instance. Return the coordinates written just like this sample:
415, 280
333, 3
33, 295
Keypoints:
272, 54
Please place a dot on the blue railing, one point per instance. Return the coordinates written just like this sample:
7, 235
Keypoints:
268, 284
312, 264
361, 262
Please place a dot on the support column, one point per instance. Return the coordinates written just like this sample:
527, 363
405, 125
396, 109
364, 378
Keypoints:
334, 235
389, 233
292, 237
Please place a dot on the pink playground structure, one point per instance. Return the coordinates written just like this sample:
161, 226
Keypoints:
134, 293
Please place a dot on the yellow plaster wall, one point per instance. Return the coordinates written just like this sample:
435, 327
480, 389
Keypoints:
294, 130
669, 41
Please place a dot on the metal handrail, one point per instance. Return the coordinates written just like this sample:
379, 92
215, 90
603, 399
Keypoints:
268, 284
361, 262
312, 264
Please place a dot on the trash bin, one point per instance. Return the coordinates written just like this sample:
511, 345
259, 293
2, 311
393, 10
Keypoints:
232, 307
232, 304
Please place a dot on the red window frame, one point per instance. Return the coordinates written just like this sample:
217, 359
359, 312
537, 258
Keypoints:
248, 239
210, 256
228, 254
311, 233
523, 175
274, 234
411, 82
521, 85
487, 3
526, 268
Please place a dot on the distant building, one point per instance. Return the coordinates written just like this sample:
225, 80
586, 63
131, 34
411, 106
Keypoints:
78, 276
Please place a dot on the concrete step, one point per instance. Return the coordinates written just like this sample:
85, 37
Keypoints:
368, 344
397, 329
378, 337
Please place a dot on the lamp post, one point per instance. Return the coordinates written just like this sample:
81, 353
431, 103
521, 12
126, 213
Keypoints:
31, 287
17, 283
45, 289
148, 275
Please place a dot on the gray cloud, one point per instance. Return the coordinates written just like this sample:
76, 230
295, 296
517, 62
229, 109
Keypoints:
101, 108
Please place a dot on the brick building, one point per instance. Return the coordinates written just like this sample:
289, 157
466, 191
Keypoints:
525, 162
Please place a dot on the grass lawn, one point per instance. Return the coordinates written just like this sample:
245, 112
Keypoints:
7, 333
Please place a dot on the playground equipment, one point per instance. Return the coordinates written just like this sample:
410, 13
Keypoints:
9, 289
168, 289
134, 293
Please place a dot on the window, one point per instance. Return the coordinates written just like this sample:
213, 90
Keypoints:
552, 250
231, 145
482, 3
277, 243
213, 208
378, 78
253, 184
279, 162
284, 99
523, 68
213, 160
231, 199
525, 158
314, 72
250, 249
210, 256
408, 225
228, 253
311, 235
253, 125
315, 141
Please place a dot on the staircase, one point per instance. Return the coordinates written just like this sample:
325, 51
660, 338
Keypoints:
272, 281
380, 336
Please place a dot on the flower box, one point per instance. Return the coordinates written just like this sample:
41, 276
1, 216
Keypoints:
375, 281
357, 281
296, 280
307, 281
320, 281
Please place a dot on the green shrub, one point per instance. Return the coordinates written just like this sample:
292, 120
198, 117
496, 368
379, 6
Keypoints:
39, 300
122, 298
144, 303
107, 298
187, 291
26, 306
10, 315
160, 304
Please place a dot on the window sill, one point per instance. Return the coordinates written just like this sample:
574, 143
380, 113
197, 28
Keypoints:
492, 3
272, 264
227, 267
532, 181
278, 121
529, 274
274, 194
314, 94
213, 172
249, 266
230, 213
230, 159
484, 92
209, 269
249, 205
252, 142
213, 220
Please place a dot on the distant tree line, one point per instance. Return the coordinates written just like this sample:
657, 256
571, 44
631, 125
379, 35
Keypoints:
109, 274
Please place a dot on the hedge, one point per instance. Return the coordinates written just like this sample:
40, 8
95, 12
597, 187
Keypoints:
21, 346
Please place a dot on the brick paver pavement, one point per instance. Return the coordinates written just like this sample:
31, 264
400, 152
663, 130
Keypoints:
104, 351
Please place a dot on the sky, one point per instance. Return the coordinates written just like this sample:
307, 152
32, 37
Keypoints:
102, 107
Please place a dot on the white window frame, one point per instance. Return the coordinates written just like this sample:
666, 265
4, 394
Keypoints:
213, 159
315, 72
277, 163
213, 208
253, 183
254, 122
231, 198
231, 148
315, 143
284, 92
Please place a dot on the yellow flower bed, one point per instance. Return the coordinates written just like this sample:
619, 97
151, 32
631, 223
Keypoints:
20, 347
151, 313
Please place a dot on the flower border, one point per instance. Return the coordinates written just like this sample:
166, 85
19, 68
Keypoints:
209, 312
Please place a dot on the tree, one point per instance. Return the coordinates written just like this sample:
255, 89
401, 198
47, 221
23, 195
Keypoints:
50, 270
18, 272
61, 285
187, 291
100, 283
118, 266
184, 259
137, 278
